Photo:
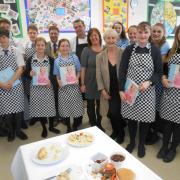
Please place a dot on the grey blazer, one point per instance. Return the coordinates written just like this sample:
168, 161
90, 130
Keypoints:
102, 76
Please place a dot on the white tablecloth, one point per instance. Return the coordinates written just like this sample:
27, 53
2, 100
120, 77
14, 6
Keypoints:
23, 168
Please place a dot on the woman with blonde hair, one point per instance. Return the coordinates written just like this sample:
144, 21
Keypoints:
107, 66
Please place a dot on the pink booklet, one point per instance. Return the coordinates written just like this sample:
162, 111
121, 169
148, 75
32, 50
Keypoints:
174, 76
68, 75
41, 78
131, 91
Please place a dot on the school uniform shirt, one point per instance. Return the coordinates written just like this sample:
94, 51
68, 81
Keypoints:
170, 104
122, 43
69, 96
140, 64
11, 101
42, 102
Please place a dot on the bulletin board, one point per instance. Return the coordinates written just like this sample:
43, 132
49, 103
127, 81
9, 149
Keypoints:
10, 10
115, 10
62, 13
166, 12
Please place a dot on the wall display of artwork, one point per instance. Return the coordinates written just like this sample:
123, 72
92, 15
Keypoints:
47, 12
166, 12
10, 10
115, 10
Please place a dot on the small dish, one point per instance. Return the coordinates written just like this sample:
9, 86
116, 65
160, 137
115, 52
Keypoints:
117, 158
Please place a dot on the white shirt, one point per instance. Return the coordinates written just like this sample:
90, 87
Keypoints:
80, 41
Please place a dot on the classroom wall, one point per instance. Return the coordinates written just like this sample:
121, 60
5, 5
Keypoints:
135, 16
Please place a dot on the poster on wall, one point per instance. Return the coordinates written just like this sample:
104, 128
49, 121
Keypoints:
115, 10
166, 12
10, 9
62, 13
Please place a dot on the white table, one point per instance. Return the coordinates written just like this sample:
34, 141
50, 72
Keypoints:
23, 168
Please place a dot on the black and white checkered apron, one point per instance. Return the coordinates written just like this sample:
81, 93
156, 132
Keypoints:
170, 104
29, 52
11, 101
70, 98
42, 102
140, 69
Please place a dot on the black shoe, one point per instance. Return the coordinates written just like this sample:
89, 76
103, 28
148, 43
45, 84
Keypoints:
22, 135
11, 137
32, 122
24, 125
44, 133
54, 130
114, 135
162, 153
141, 151
152, 139
3, 133
120, 139
169, 156
130, 147
69, 130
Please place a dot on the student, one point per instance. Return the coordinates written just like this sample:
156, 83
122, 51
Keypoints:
141, 62
88, 76
11, 98
42, 103
107, 65
132, 34
122, 41
158, 38
70, 99
170, 105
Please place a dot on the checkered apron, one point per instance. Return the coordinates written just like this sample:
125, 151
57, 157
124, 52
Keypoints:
70, 98
42, 102
170, 104
140, 69
11, 101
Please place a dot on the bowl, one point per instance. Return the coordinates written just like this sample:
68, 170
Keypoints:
117, 159
98, 161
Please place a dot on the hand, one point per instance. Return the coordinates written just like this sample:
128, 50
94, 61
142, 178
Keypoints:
105, 95
59, 83
48, 84
165, 82
122, 96
8, 85
32, 73
83, 88
144, 85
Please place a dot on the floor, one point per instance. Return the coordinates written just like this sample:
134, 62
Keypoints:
168, 171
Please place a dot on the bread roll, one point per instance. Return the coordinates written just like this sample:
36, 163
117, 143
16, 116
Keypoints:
125, 174
42, 153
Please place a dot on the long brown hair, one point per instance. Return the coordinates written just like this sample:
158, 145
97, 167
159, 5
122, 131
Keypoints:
163, 40
90, 33
175, 45
123, 33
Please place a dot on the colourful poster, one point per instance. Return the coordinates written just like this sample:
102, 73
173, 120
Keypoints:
115, 10
62, 13
10, 9
166, 12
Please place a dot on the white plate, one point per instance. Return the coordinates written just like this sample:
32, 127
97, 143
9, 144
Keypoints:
56, 153
80, 139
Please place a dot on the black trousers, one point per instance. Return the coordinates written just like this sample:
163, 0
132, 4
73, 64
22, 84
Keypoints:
93, 111
171, 129
143, 131
76, 121
115, 116
13, 122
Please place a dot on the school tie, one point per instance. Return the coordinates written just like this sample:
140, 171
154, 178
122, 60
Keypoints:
5, 52
33, 45
54, 48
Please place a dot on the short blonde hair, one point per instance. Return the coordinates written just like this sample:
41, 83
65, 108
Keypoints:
110, 32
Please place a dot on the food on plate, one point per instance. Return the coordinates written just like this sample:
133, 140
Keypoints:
42, 153
99, 161
82, 138
63, 176
125, 174
117, 157
109, 172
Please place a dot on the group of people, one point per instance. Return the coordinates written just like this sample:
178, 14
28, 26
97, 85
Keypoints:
84, 69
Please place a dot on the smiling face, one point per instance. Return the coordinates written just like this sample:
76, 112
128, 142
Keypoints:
94, 38
118, 28
64, 48
157, 33
110, 40
40, 46
54, 34
32, 35
143, 35
79, 28
132, 34
4, 41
